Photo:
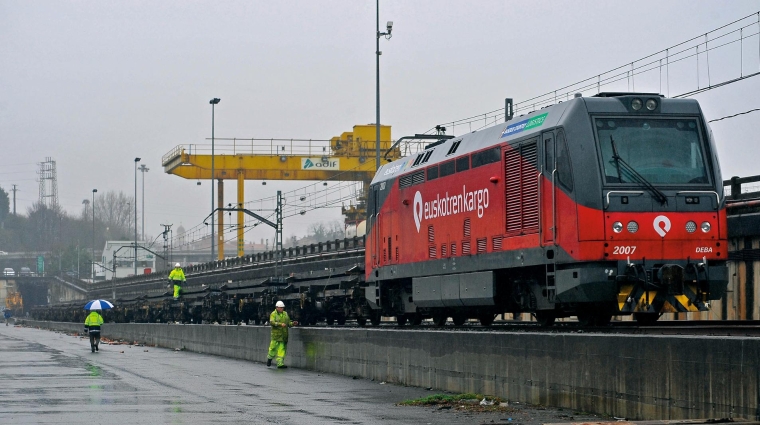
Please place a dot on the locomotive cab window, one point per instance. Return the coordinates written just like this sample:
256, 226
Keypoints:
662, 150
564, 172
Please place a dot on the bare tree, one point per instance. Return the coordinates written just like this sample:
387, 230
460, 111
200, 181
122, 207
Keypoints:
116, 212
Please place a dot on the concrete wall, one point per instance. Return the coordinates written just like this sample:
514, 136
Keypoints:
637, 377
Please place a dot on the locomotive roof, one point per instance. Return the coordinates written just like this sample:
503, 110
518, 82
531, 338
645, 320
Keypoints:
514, 129
524, 126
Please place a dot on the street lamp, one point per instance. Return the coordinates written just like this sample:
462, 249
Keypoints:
213, 103
389, 27
94, 191
136, 161
143, 169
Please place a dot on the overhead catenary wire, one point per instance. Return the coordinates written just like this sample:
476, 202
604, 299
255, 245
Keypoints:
630, 70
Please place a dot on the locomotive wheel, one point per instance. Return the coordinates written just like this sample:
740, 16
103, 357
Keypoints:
459, 319
361, 321
646, 319
416, 319
341, 320
545, 318
586, 319
374, 318
440, 319
603, 319
486, 319
401, 320
330, 320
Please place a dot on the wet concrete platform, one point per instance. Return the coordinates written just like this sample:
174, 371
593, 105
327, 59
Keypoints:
50, 377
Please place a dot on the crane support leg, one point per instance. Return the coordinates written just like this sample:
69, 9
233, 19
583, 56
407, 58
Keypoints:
220, 216
240, 214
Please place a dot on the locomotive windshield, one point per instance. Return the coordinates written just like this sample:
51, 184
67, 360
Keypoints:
663, 151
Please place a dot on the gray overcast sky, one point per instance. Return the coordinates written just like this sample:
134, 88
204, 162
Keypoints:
94, 84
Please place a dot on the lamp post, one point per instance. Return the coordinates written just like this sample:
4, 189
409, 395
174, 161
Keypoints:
213, 103
389, 27
94, 191
136, 161
143, 169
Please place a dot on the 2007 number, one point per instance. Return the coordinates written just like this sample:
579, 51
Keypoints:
624, 250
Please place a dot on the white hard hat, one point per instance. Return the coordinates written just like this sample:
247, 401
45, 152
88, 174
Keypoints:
280, 304
177, 265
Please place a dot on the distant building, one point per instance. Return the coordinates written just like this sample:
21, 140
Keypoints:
119, 257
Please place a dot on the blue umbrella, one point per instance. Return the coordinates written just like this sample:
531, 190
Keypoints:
98, 305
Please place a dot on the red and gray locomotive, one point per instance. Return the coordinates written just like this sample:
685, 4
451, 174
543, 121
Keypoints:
595, 207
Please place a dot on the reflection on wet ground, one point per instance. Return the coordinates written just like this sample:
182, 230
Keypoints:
53, 378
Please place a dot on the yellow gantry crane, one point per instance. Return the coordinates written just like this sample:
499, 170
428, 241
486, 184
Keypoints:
348, 157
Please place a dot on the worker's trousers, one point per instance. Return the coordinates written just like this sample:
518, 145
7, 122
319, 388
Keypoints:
277, 351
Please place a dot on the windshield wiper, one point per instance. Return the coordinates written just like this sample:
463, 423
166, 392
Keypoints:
632, 174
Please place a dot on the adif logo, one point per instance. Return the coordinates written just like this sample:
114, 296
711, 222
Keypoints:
661, 225
441, 206
417, 210
324, 163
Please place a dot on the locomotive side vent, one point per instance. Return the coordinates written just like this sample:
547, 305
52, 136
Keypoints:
466, 227
396, 254
431, 234
385, 255
411, 179
521, 188
418, 177
443, 250
453, 249
482, 242
427, 156
497, 243
431, 252
465, 247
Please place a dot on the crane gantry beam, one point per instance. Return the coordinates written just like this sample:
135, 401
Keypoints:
348, 157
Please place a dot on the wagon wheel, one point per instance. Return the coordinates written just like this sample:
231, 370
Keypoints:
545, 318
459, 319
416, 319
330, 320
341, 320
440, 319
401, 320
361, 321
374, 318
486, 319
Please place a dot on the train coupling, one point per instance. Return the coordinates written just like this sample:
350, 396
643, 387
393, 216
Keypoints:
664, 288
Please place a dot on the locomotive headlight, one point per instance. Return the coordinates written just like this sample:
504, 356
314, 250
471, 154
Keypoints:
706, 227
617, 227
633, 227
651, 104
691, 226
636, 104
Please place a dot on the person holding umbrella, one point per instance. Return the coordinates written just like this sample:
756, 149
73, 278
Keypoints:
94, 320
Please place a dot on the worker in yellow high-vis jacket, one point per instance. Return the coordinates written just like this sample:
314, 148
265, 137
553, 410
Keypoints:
92, 325
280, 322
177, 276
